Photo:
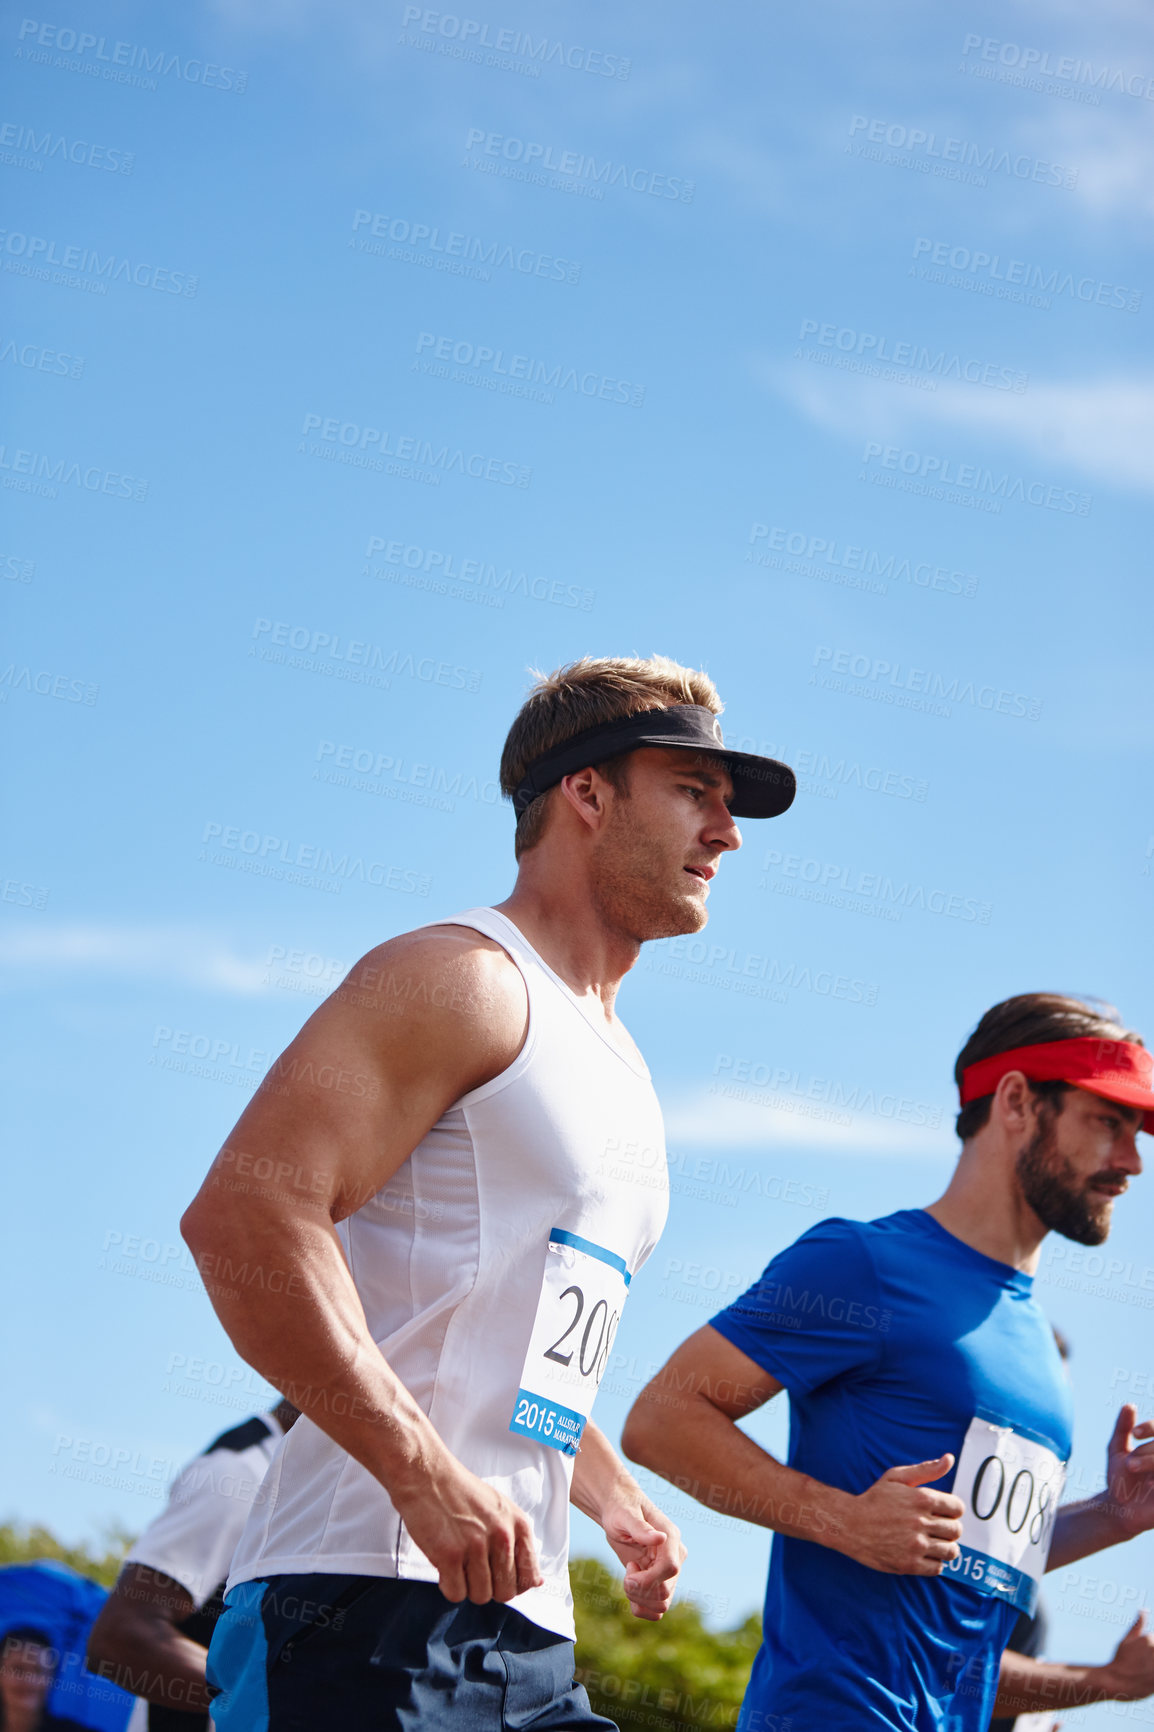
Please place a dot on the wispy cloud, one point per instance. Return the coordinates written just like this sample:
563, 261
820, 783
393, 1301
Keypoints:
1111, 145
1103, 427
187, 955
719, 1121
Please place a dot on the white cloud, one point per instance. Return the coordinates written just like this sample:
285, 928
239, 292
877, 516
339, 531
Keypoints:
718, 1121
182, 954
1103, 427
1111, 146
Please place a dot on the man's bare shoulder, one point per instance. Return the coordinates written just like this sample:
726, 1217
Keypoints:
441, 974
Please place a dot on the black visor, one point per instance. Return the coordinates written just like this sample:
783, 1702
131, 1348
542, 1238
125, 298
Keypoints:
762, 787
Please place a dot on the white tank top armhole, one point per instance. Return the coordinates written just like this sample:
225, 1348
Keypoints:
491, 925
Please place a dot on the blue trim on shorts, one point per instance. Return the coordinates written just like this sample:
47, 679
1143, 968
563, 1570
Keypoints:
238, 1662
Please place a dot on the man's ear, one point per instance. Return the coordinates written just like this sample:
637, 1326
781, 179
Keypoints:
587, 794
1014, 1102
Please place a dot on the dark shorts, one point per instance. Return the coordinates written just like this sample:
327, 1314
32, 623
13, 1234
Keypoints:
370, 1654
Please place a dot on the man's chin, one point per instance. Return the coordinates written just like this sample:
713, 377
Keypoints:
1101, 1223
677, 919
1092, 1229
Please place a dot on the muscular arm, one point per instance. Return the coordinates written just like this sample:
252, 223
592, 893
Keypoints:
136, 1643
418, 1023
683, 1426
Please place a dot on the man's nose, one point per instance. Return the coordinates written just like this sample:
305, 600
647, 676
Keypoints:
1131, 1160
723, 830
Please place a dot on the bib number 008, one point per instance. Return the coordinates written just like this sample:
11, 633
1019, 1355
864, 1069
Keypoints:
1014, 1507
1010, 1486
583, 1289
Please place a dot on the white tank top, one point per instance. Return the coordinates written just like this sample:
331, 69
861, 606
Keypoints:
491, 1267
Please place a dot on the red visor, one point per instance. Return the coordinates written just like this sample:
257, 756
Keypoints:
1115, 1069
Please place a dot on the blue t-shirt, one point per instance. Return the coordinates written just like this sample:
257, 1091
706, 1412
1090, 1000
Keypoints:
890, 1337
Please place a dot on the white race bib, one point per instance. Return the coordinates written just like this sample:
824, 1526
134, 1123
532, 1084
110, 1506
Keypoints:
582, 1293
1010, 1486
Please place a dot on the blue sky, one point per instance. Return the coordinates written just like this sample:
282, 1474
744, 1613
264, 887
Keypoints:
360, 359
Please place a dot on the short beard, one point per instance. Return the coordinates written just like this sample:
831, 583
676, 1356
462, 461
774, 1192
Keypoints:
1049, 1185
631, 893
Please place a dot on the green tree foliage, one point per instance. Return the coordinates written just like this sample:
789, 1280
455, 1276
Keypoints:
26, 1544
673, 1676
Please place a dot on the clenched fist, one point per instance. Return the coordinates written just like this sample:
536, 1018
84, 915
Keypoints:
899, 1525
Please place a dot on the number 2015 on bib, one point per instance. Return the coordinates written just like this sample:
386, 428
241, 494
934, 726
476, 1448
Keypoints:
583, 1290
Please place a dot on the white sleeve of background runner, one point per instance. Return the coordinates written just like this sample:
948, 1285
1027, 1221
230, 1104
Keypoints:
195, 1535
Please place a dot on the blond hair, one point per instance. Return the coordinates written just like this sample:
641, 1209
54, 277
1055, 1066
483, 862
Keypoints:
581, 695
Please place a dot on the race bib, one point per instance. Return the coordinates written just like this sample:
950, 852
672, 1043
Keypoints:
582, 1293
1010, 1486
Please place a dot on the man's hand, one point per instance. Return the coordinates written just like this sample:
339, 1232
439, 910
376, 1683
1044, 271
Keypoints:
1130, 1472
1129, 1674
899, 1526
478, 1540
649, 1545
1028, 1686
